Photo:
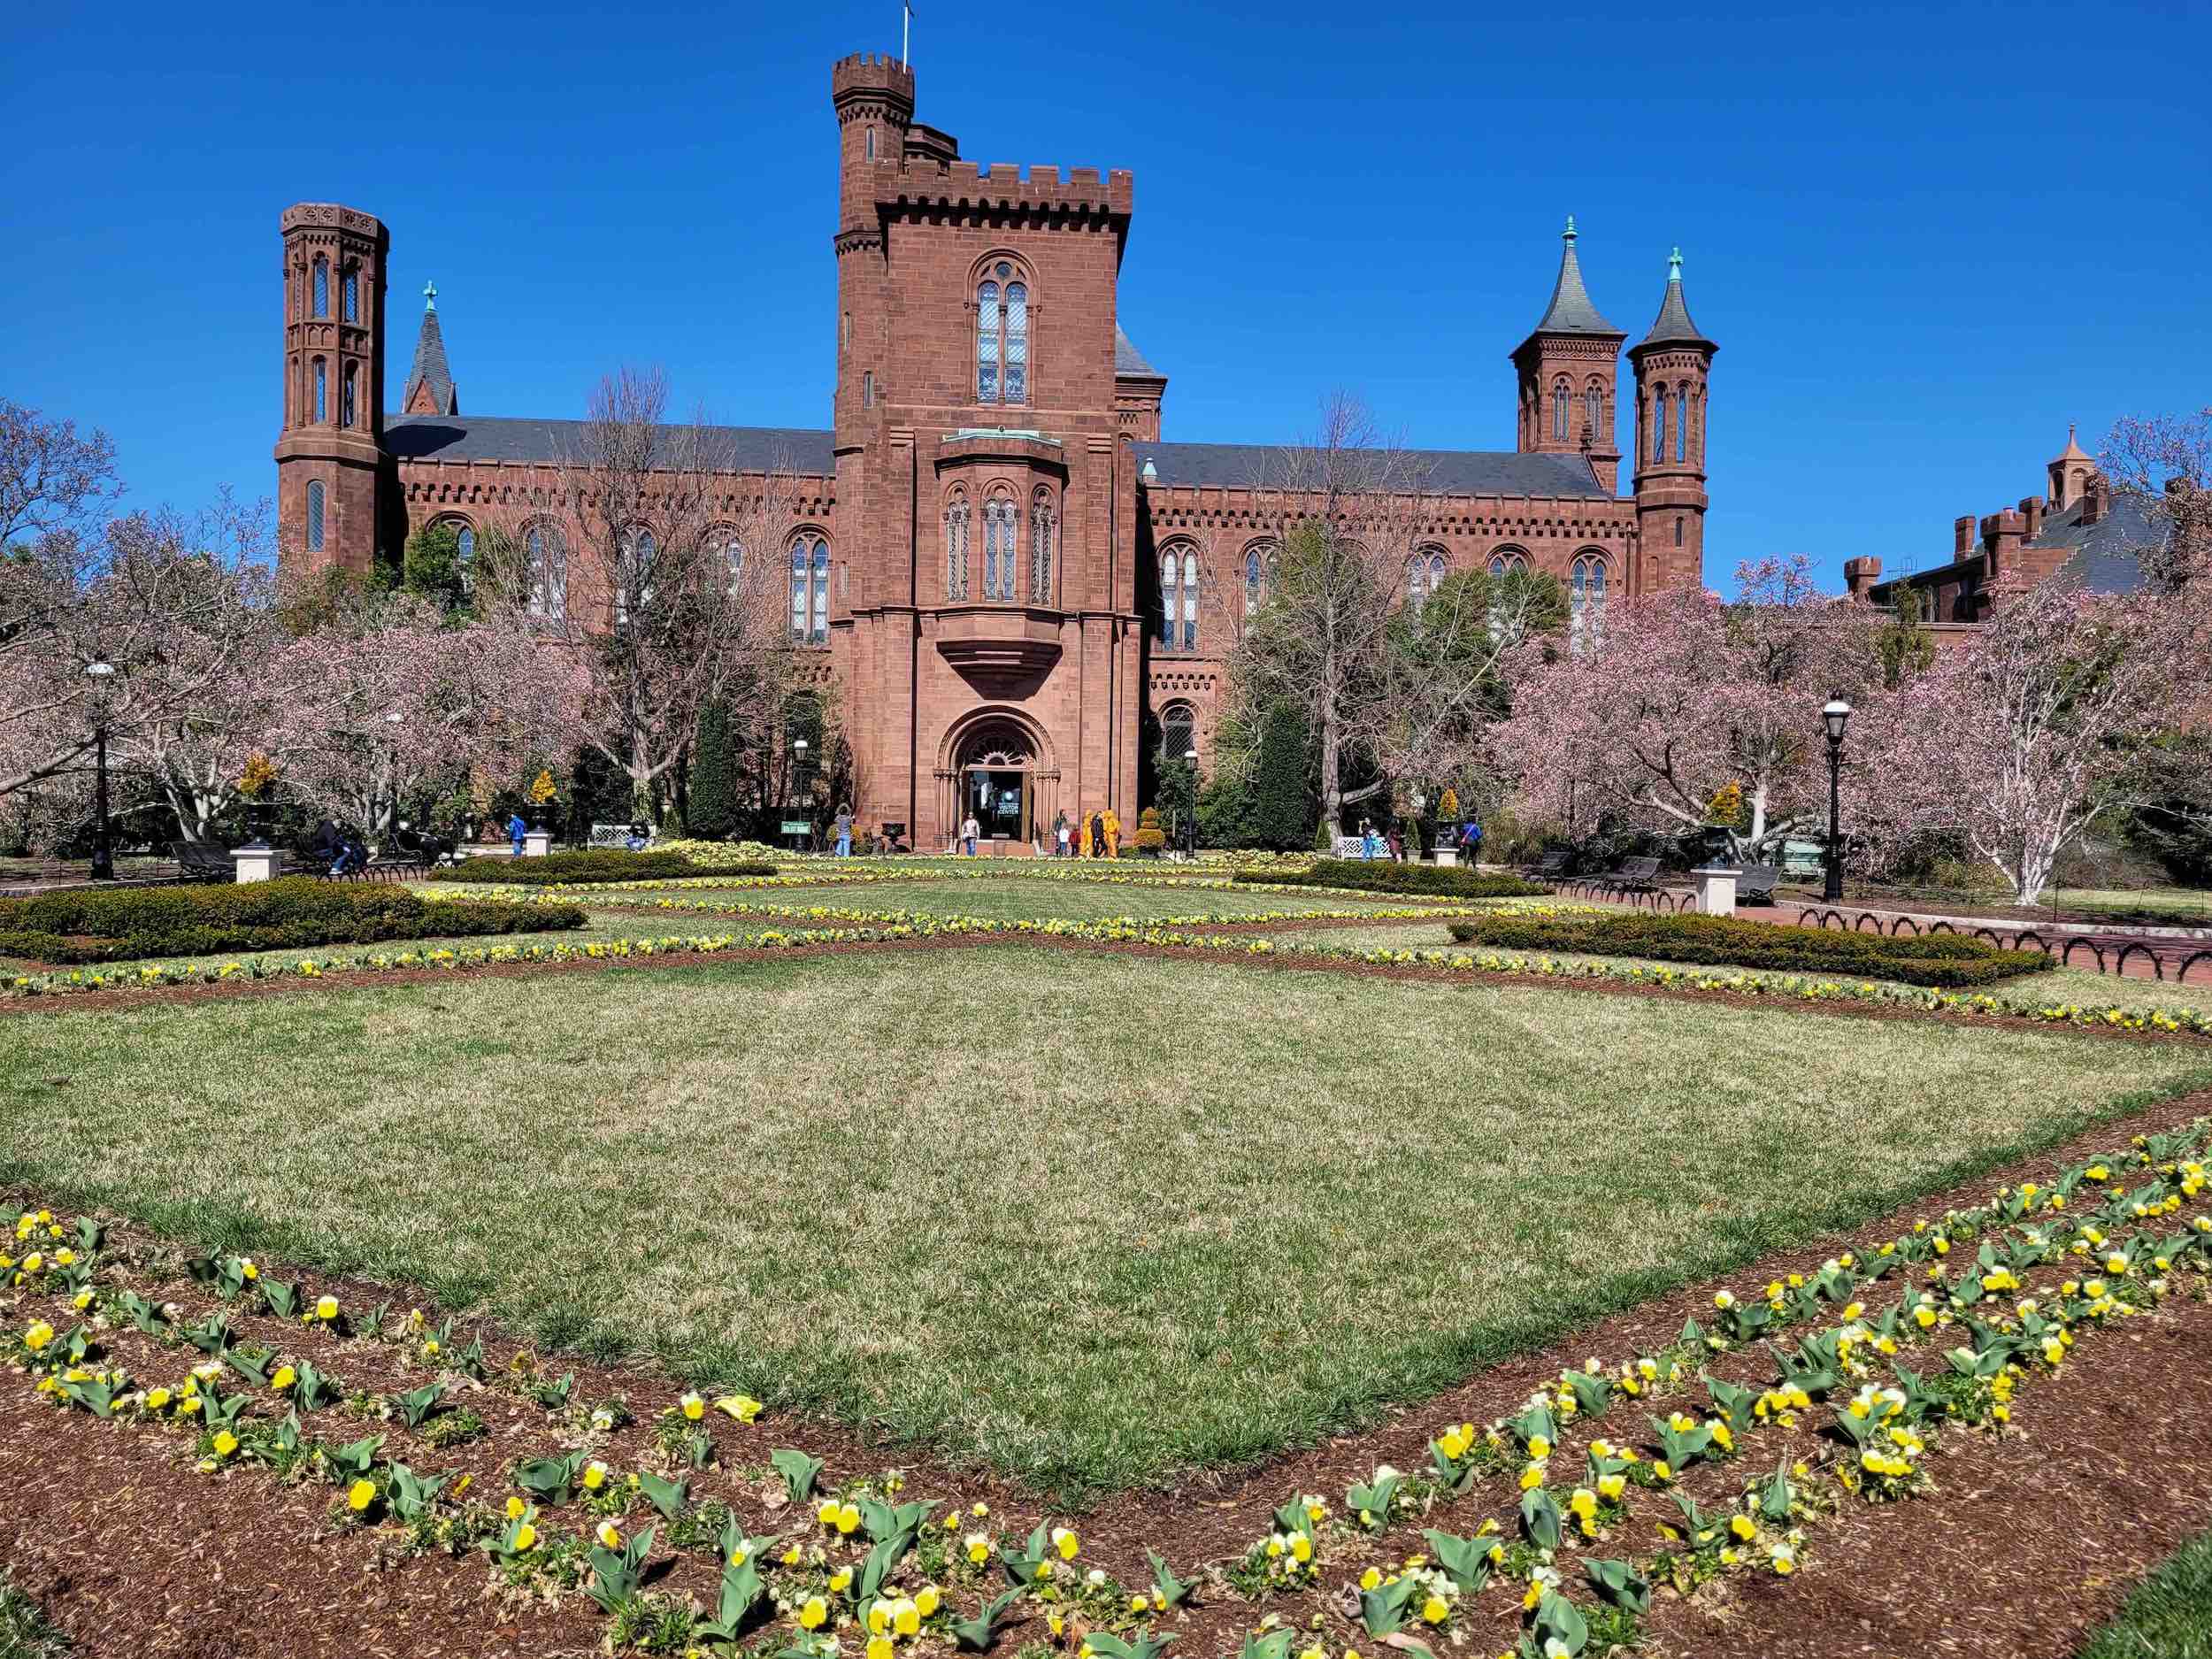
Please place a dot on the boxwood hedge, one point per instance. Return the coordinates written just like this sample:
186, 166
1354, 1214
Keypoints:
583, 868
117, 925
1943, 960
1378, 876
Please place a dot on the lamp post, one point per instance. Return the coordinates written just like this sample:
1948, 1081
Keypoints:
1190, 819
1835, 716
99, 671
391, 752
799, 778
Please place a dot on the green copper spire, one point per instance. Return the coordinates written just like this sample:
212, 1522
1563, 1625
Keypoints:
1674, 265
430, 296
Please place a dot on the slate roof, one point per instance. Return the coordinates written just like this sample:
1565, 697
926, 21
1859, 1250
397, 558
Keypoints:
505, 438
1441, 472
1128, 359
1673, 325
1571, 311
430, 365
2102, 557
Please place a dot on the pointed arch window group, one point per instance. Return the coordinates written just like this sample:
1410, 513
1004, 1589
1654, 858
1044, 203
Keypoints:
1001, 334
1179, 599
1585, 598
1423, 572
1001, 561
1262, 562
545, 558
809, 589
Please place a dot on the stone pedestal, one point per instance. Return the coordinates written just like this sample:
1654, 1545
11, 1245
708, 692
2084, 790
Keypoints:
489, 849
257, 864
1446, 855
1716, 888
537, 843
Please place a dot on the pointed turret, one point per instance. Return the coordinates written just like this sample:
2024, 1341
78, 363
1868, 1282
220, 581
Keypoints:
1569, 367
430, 382
1673, 364
2070, 471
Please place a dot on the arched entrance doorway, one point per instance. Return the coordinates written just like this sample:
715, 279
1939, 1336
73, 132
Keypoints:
995, 776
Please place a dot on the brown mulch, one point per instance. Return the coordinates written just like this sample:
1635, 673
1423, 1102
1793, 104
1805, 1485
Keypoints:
2032, 1540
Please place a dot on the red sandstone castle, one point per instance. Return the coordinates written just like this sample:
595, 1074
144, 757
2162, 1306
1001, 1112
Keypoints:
992, 546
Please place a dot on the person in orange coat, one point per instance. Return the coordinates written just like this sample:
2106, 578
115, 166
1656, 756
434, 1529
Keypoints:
1113, 833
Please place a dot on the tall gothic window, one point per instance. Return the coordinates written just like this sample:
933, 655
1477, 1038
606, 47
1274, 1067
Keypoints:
1659, 423
314, 516
809, 590
633, 583
1593, 410
1000, 520
1179, 599
1682, 427
1585, 598
1559, 410
1423, 571
464, 556
957, 547
1042, 526
321, 291
322, 390
545, 555
1260, 565
350, 294
1002, 336
725, 541
1509, 561
346, 396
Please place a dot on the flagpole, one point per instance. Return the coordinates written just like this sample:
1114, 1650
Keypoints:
906, 20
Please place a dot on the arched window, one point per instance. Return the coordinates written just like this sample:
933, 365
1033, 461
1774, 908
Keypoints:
1681, 426
728, 546
346, 396
350, 294
322, 390
1179, 599
319, 290
1659, 423
1585, 600
464, 556
1261, 561
633, 582
1040, 533
545, 555
1592, 409
1509, 561
1678, 529
1179, 731
957, 547
314, 516
1001, 335
1559, 410
1423, 571
999, 522
809, 590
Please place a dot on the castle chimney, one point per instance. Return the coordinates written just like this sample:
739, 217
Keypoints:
2032, 510
2003, 533
1861, 573
2096, 499
1962, 535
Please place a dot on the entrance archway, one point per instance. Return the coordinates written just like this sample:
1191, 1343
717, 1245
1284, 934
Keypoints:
994, 778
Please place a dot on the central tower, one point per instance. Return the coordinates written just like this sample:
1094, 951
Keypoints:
1568, 368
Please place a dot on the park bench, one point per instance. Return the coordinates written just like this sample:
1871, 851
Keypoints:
1551, 867
1635, 875
1756, 884
196, 862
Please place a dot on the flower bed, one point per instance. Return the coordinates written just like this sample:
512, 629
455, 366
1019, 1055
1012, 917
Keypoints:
95, 925
1378, 876
1942, 959
579, 869
1725, 1452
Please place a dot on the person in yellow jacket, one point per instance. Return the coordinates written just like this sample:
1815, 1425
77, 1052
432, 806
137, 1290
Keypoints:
1113, 834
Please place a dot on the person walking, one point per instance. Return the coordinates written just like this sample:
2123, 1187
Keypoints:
515, 830
844, 831
1369, 843
1060, 837
969, 831
1470, 842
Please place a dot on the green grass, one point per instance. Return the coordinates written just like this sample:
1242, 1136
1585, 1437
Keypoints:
1008, 897
1091, 1218
2169, 1617
24, 1633
2061, 985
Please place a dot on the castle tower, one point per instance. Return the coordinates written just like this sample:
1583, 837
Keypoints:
327, 451
2070, 469
874, 100
1673, 363
430, 382
1569, 372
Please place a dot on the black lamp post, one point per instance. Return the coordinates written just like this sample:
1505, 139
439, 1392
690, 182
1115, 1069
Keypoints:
1835, 716
99, 671
800, 783
391, 750
1190, 818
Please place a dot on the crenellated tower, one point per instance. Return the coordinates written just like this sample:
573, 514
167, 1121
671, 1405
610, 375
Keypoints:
1673, 364
327, 450
1569, 372
873, 96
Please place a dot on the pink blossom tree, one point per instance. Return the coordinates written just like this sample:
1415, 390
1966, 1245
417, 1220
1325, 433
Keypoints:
1668, 699
2032, 732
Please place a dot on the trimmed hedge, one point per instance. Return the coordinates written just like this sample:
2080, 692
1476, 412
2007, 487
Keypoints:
1943, 960
97, 925
1378, 876
585, 868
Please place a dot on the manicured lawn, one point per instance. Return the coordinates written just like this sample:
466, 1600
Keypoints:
1006, 897
2062, 985
1090, 1218
2169, 1617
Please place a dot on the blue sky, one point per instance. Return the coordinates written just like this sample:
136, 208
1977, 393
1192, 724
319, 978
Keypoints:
1926, 238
